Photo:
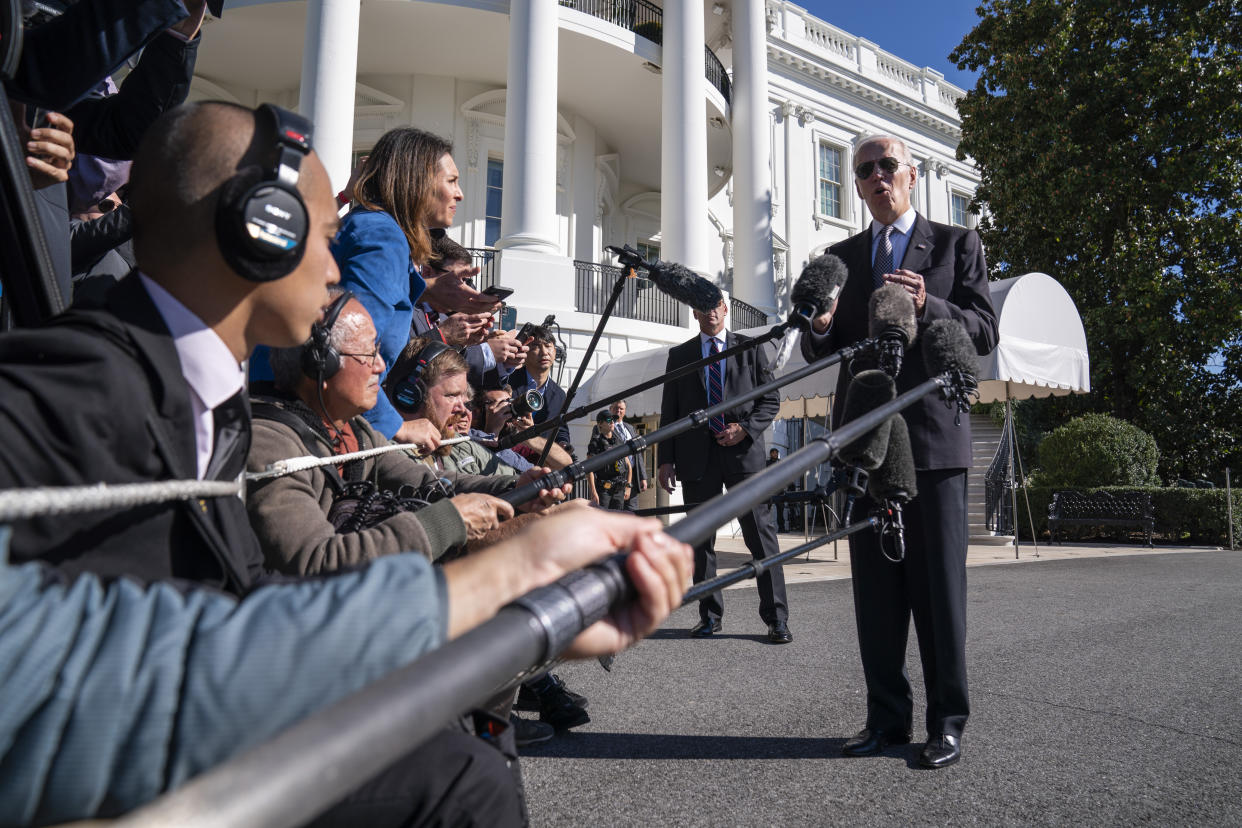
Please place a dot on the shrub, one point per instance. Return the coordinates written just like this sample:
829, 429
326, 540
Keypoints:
1098, 450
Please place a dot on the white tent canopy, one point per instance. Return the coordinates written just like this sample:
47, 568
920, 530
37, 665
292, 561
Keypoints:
1042, 351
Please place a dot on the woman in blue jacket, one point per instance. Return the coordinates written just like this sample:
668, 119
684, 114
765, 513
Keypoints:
408, 187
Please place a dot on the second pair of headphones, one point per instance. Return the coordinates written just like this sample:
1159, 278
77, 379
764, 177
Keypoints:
320, 360
261, 219
410, 393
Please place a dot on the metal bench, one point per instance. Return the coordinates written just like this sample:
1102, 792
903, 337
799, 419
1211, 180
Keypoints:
1071, 508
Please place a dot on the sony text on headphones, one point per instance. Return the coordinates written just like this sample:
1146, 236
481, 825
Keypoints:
321, 361
410, 393
261, 219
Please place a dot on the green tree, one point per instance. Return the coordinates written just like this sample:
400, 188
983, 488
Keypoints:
1108, 134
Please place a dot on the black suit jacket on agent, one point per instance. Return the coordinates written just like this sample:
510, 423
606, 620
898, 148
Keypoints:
937, 252
98, 396
689, 452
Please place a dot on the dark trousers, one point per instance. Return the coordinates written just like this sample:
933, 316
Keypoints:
760, 537
613, 498
454, 779
929, 584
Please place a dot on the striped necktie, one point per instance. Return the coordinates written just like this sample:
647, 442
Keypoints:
883, 257
715, 388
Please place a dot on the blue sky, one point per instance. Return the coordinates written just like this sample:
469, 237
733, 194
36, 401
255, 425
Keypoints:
917, 31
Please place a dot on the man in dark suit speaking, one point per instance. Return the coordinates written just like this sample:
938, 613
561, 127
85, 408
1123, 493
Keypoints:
725, 453
943, 269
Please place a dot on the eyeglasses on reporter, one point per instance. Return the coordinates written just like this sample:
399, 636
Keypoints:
887, 164
367, 359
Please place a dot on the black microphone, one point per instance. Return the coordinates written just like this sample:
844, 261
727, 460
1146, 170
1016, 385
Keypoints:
867, 391
677, 281
947, 349
892, 323
893, 485
684, 285
817, 289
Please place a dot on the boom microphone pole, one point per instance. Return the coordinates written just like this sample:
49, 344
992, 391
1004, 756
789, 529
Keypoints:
318, 761
755, 568
579, 470
815, 292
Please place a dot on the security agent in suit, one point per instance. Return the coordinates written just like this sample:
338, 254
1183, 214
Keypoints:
726, 452
638, 471
943, 269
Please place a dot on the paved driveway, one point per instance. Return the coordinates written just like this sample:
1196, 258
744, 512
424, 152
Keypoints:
1105, 691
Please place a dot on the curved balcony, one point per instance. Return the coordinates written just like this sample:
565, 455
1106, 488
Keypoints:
647, 20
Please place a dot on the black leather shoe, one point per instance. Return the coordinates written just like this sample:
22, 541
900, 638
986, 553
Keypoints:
778, 633
705, 629
870, 742
941, 751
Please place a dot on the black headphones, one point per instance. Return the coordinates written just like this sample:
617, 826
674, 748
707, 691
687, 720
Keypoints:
261, 219
410, 393
321, 361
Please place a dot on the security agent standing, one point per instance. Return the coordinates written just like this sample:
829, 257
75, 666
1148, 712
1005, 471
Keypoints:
723, 454
943, 269
638, 468
609, 486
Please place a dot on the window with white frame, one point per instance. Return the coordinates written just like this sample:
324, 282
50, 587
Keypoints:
495, 180
831, 162
960, 209
649, 250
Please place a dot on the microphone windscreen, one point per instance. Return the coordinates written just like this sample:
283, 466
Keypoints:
947, 347
895, 478
684, 285
820, 283
866, 392
891, 308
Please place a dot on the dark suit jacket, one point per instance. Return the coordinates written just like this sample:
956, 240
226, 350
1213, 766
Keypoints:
98, 396
689, 452
950, 260
63, 59
113, 126
553, 399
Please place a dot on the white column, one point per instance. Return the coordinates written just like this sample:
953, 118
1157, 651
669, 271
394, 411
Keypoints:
752, 153
528, 209
329, 72
683, 138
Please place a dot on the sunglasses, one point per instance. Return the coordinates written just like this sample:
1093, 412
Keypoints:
888, 164
607, 419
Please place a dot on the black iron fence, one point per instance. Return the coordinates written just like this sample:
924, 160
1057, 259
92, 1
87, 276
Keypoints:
639, 299
647, 20
745, 315
484, 258
998, 506
717, 76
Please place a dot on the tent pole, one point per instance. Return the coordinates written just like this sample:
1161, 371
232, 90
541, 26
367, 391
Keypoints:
1013, 452
1026, 497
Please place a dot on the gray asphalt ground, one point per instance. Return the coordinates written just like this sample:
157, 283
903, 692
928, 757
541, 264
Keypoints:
1104, 688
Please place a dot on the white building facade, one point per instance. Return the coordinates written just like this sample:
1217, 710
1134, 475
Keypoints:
714, 133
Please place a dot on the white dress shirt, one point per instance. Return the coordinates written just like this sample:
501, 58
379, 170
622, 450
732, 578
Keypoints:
206, 363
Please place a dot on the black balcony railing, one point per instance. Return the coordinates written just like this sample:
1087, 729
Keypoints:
647, 20
484, 258
593, 286
745, 315
717, 76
